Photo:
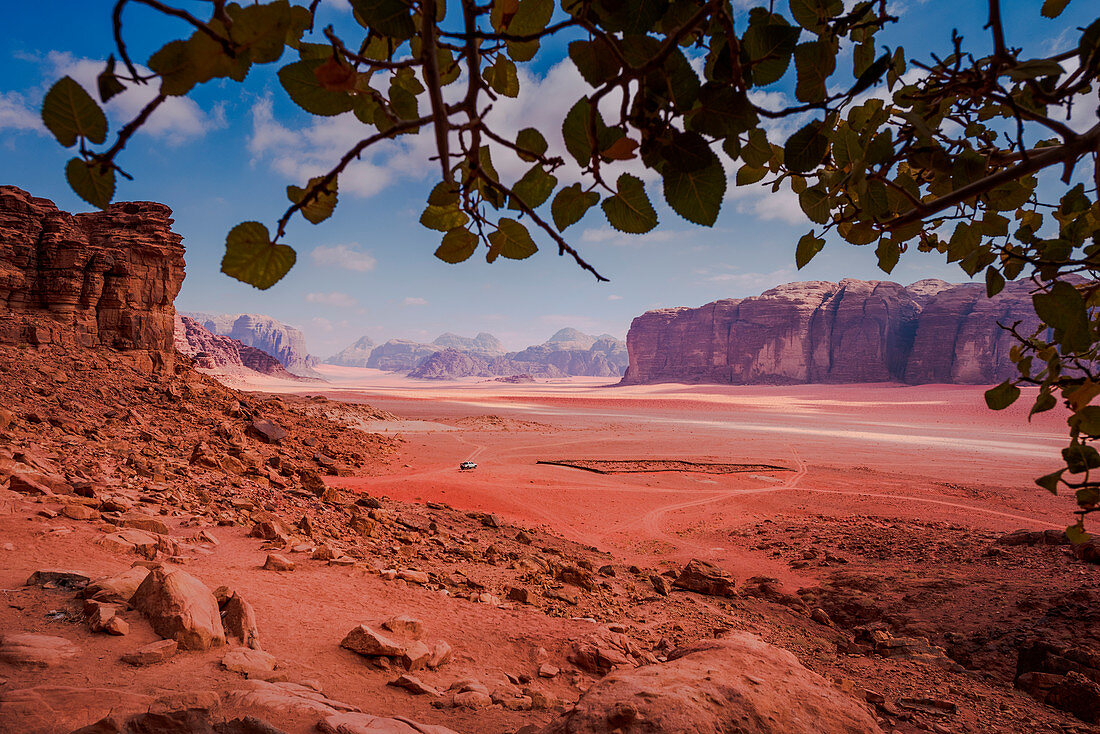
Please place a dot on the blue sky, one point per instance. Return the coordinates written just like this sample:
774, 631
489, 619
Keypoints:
226, 155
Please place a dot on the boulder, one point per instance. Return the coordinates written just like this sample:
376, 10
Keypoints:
239, 620
706, 578
276, 562
278, 700
58, 579
118, 588
154, 652
267, 431
358, 723
370, 643
735, 684
37, 651
181, 608
250, 663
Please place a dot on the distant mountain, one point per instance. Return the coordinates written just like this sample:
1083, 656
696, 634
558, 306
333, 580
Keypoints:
399, 355
283, 342
223, 355
355, 355
568, 353
482, 343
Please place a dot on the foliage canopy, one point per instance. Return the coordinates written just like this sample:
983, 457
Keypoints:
945, 154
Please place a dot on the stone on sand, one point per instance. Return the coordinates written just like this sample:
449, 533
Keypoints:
181, 608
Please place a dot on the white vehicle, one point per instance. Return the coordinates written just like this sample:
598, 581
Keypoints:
466, 465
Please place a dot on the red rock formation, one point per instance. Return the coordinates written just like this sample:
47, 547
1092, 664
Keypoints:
101, 279
222, 355
820, 332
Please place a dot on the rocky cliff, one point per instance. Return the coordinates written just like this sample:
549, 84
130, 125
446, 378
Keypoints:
400, 355
604, 356
220, 355
483, 343
101, 279
821, 332
354, 355
281, 341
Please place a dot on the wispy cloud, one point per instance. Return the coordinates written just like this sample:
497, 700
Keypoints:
177, 120
414, 301
16, 113
346, 257
333, 298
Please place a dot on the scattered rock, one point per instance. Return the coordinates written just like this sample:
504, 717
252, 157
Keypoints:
358, 723
249, 662
118, 588
55, 578
181, 608
276, 562
706, 578
39, 651
154, 652
239, 620
414, 685
735, 684
267, 431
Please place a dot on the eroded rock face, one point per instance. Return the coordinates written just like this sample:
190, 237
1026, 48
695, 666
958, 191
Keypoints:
102, 279
281, 341
180, 607
821, 332
221, 354
735, 684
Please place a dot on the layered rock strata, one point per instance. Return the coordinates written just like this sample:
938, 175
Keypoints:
822, 332
101, 279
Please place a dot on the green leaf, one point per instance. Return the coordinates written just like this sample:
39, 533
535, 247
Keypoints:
595, 61
808, 246
443, 218
321, 206
748, 175
805, 150
512, 240
261, 29
70, 113
1076, 533
391, 18
694, 180
178, 74
502, 77
107, 82
814, 61
570, 205
1049, 482
758, 152
629, 209
301, 83
531, 16
535, 187
1088, 497
768, 49
994, 281
93, 182
1086, 420
458, 245
444, 194
811, 14
723, 111
815, 204
574, 130
1063, 308
531, 139
252, 258
1002, 396
1053, 8
888, 253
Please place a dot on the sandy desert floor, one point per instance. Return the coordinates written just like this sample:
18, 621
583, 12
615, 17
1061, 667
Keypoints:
929, 453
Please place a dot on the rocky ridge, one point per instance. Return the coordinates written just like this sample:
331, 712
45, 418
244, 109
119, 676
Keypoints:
283, 342
222, 356
102, 279
822, 332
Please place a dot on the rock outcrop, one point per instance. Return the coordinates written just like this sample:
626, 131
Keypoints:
102, 279
354, 355
399, 355
220, 355
281, 341
736, 684
821, 332
567, 353
483, 343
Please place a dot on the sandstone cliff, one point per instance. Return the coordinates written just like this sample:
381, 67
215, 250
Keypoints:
821, 332
354, 355
101, 279
281, 341
220, 355
569, 353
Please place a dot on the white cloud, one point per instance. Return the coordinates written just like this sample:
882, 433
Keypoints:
345, 257
614, 298
16, 113
414, 301
321, 324
610, 236
176, 121
333, 298
747, 281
